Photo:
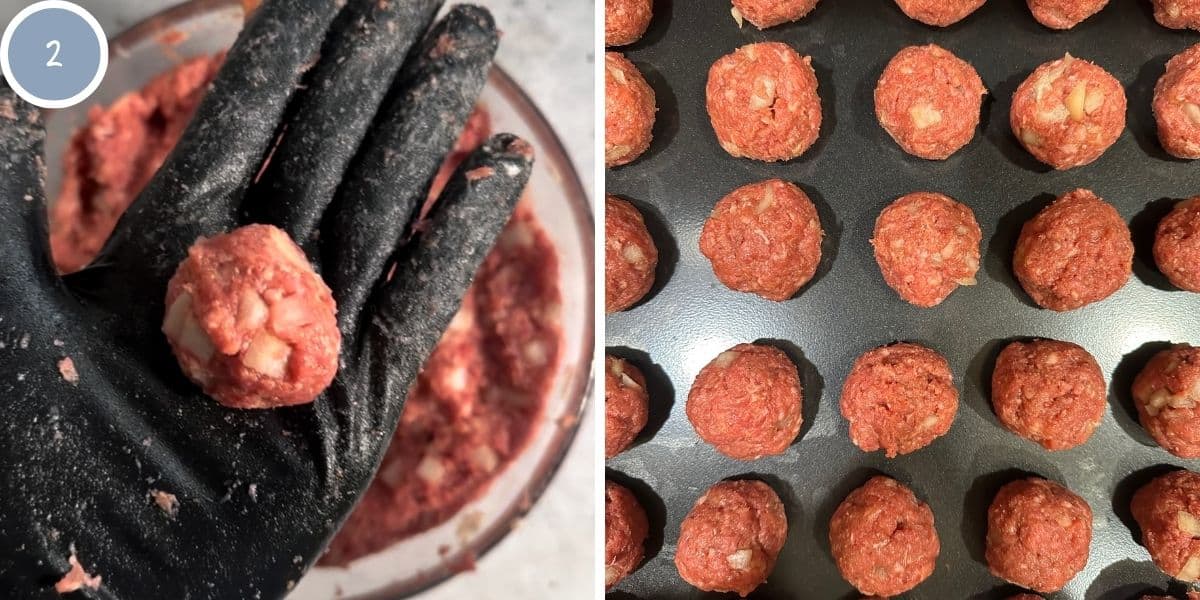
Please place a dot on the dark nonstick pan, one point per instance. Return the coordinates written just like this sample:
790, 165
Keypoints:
851, 173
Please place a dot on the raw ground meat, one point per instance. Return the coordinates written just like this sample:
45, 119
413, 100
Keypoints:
76, 578
747, 402
1177, 14
1074, 252
628, 111
251, 322
1167, 511
626, 20
899, 398
1177, 245
769, 13
625, 529
764, 238
939, 13
762, 102
1176, 104
1167, 395
927, 245
731, 538
630, 256
1049, 392
929, 100
1068, 112
626, 404
1064, 14
883, 538
1039, 534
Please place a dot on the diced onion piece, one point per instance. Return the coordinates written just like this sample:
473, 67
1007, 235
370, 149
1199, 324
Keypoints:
740, 560
193, 339
726, 358
268, 355
1188, 523
737, 16
176, 313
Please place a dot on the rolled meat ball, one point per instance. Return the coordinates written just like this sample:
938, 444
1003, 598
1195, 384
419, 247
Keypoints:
747, 402
1176, 105
630, 256
1039, 534
899, 398
1177, 14
939, 13
1177, 245
1064, 14
927, 245
1167, 395
250, 322
1049, 392
1167, 511
1068, 112
626, 405
1074, 252
883, 538
731, 538
769, 13
762, 102
764, 238
929, 100
625, 530
628, 111
626, 20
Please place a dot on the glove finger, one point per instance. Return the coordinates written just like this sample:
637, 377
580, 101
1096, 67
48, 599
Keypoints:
25, 263
389, 180
329, 117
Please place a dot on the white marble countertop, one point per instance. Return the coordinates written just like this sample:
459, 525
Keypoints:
550, 554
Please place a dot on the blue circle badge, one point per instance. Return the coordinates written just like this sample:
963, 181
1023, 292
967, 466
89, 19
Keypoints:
54, 54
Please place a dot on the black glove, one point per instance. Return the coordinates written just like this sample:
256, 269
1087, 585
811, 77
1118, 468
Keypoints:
366, 107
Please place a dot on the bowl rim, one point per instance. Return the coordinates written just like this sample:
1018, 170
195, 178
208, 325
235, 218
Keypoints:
580, 384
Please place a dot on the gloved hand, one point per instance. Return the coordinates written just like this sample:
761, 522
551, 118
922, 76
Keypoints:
362, 125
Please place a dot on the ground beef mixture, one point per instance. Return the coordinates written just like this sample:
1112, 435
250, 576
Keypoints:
747, 402
1176, 104
764, 238
929, 100
769, 13
626, 20
1167, 395
1177, 245
1064, 14
1074, 252
628, 111
762, 102
883, 538
939, 13
630, 255
899, 398
1177, 14
1167, 511
626, 404
1068, 112
1039, 534
927, 245
731, 538
1049, 392
625, 529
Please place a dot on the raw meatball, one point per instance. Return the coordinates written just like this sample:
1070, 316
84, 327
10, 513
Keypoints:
628, 111
626, 405
730, 540
1177, 245
1167, 395
762, 102
899, 398
1049, 392
928, 100
626, 20
251, 322
1074, 252
1068, 112
1167, 510
625, 529
1039, 534
746, 402
630, 256
940, 13
764, 238
927, 245
1064, 14
1177, 14
1176, 104
883, 538
769, 13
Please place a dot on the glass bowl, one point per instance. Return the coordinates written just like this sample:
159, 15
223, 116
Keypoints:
201, 27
